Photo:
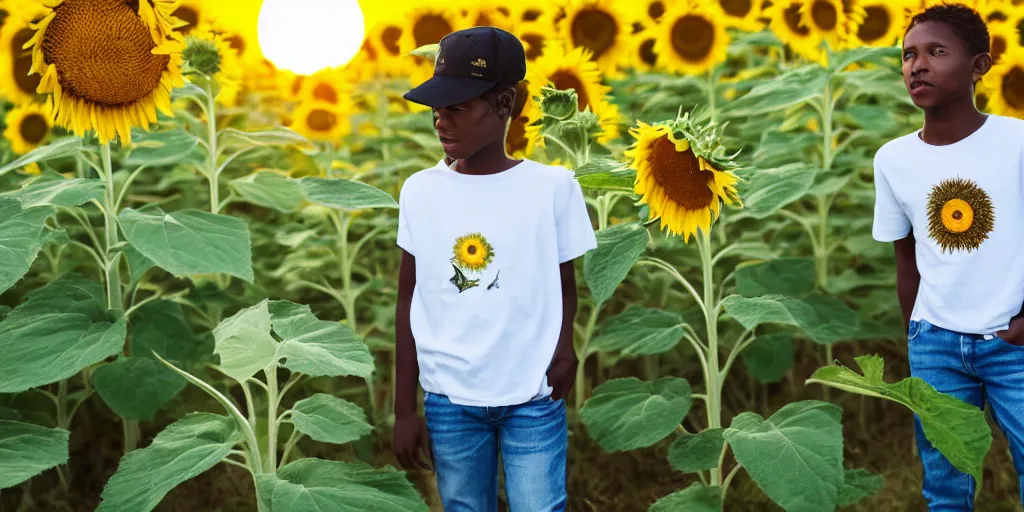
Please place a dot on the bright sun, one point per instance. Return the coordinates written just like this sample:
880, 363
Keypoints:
305, 36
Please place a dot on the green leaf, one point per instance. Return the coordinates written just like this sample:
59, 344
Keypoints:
313, 485
618, 249
842, 60
21, 237
329, 419
770, 190
164, 148
269, 189
690, 454
29, 450
60, 148
190, 242
135, 388
598, 166
58, 192
244, 342
824, 319
160, 326
859, 484
318, 347
782, 276
792, 88
345, 194
278, 136
183, 450
60, 329
795, 456
695, 498
639, 331
625, 414
138, 264
957, 429
769, 357
613, 180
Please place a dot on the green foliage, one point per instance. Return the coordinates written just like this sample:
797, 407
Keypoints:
329, 419
695, 498
29, 449
24, 236
313, 484
639, 331
618, 249
691, 454
626, 414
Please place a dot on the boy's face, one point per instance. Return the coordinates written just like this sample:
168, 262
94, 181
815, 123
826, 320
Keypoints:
938, 69
467, 127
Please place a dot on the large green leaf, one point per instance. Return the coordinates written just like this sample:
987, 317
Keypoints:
695, 498
618, 249
60, 148
60, 329
795, 456
344, 194
625, 414
770, 190
164, 148
269, 189
859, 484
842, 60
29, 450
278, 136
318, 485
782, 276
183, 450
698, 452
769, 357
244, 342
21, 237
612, 180
136, 387
58, 192
792, 88
160, 326
318, 347
138, 264
639, 331
824, 319
957, 429
330, 419
190, 242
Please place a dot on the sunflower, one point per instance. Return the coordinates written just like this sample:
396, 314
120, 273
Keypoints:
827, 21
427, 24
320, 121
883, 23
326, 86
472, 252
692, 38
994, 11
643, 58
534, 37
483, 15
788, 25
681, 179
603, 27
960, 215
231, 73
16, 84
1004, 84
27, 127
743, 14
109, 64
192, 13
653, 10
521, 137
525, 11
1003, 36
574, 69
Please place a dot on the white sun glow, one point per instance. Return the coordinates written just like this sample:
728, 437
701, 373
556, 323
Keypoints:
305, 36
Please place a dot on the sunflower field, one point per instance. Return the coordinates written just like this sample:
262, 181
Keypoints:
198, 269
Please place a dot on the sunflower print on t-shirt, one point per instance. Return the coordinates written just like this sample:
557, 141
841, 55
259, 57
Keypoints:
960, 215
472, 254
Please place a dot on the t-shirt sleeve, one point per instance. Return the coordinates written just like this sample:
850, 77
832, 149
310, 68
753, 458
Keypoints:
404, 230
574, 228
891, 222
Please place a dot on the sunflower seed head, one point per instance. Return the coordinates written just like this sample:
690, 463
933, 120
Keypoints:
202, 56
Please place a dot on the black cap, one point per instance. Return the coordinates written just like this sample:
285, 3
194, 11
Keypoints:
469, 63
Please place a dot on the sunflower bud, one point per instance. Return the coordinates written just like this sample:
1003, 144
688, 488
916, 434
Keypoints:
202, 56
558, 104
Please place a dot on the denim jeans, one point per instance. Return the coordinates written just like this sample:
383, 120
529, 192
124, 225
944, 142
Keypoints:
982, 373
465, 441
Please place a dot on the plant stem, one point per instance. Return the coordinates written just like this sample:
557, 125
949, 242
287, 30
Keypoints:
211, 126
588, 332
272, 399
712, 375
712, 100
64, 422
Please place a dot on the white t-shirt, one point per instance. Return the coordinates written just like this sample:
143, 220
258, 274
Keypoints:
965, 203
487, 307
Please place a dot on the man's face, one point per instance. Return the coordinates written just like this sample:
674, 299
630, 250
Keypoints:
467, 127
937, 67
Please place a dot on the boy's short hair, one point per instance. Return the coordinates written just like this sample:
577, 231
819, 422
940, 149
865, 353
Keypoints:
965, 22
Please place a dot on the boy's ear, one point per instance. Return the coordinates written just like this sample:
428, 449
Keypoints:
505, 103
982, 65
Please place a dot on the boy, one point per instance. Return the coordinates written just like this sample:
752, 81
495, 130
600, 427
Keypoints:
487, 292
951, 198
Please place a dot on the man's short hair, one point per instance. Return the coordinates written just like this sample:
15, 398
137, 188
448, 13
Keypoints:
965, 22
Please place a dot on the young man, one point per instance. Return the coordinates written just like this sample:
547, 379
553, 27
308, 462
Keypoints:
951, 198
487, 292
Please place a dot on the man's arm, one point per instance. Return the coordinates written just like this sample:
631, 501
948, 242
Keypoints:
562, 373
908, 278
410, 436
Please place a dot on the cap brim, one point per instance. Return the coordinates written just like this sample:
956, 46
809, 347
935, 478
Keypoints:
445, 91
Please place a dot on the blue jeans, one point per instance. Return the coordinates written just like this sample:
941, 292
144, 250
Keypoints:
980, 372
533, 439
